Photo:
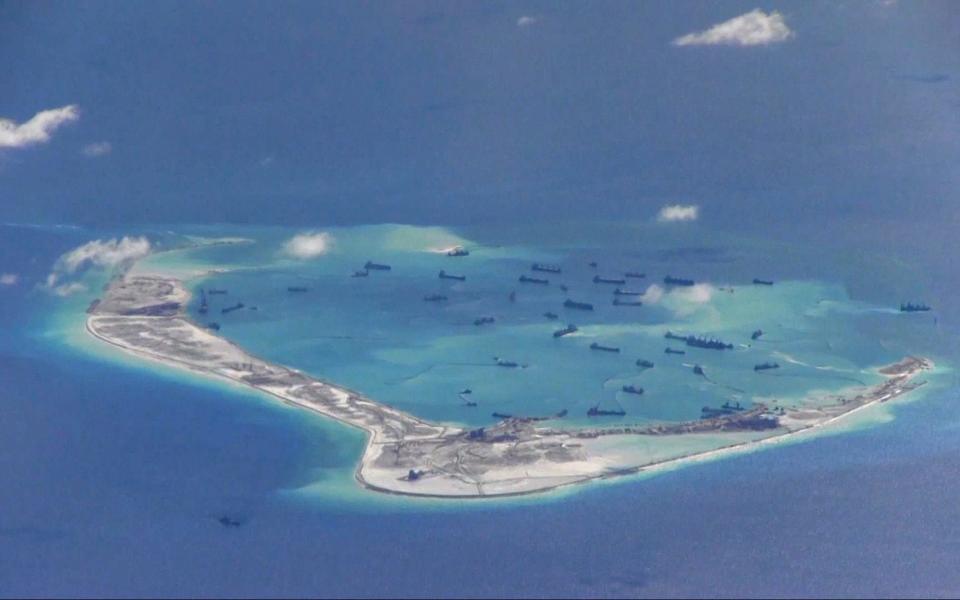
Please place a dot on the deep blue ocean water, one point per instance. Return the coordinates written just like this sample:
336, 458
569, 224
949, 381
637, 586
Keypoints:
114, 476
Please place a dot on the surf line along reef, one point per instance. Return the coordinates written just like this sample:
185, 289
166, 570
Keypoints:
145, 315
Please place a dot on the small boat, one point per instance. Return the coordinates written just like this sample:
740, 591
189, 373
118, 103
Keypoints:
545, 268
230, 309
445, 275
602, 348
551, 315
698, 370
670, 280
613, 411
632, 389
537, 280
363, 273
483, 321
598, 279
577, 305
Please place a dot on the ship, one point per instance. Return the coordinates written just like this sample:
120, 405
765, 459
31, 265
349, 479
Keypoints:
458, 251
434, 298
911, 307
363, 273
672, 351
670, 280
756, 334
698, 370
765, 366
632, 389
699, 341
623, 292
620, 302
593, 264
551, 315
214, 326
602, 348
445, 275
203, 302
543, 268
708, 412
296, 288
500, 415
634, 275
565, 331
505, 363
646, 364
483, 321
564, 288
528, 279
762, 282
216, 292
614, 411
598, 279
577, 305
372, 266
230, 309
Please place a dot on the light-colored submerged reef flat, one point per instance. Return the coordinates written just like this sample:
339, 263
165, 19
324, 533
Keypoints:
146, 315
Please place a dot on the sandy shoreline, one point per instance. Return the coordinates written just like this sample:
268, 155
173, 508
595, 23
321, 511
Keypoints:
143, 315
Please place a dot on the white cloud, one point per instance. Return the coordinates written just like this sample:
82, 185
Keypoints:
68, 289
99, 254
526, 21
97, 149
9, 279
38, 129
653, 294
678, 212
700, 293
755, 28
308, 245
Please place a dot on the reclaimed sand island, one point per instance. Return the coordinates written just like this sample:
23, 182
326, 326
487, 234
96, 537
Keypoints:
145, 315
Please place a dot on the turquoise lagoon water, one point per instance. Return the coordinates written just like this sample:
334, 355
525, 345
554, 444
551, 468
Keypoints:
117, 470
377, 335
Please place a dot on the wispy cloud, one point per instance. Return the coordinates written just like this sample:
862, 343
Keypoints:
97, 149
308, 245
678, 212
9, 279
38, 129
527, 21
96, 254
755, 28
